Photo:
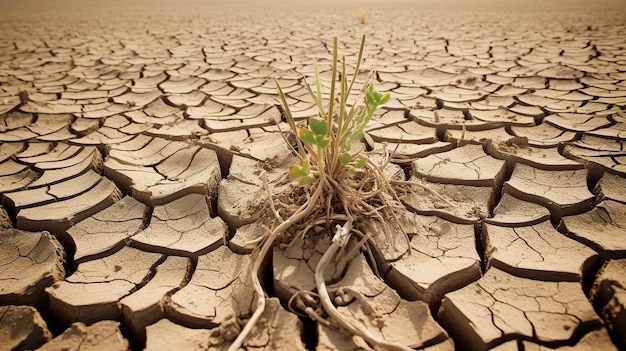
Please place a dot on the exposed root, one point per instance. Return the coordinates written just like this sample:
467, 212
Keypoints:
344, 259
262, 254
331, 201
303, 299
343, 234
266, 186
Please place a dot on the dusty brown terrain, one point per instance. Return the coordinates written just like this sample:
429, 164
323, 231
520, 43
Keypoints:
132, 136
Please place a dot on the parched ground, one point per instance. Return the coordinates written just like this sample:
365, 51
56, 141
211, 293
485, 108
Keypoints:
133, 135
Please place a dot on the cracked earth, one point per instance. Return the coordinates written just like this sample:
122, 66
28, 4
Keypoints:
133, 136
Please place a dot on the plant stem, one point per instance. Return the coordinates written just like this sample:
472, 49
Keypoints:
331, 103
290, 120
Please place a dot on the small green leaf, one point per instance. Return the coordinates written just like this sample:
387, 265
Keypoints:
360, 163
300, 171
305, 166
296, 172
318, 127
321, 142
377, 95
345, 158
307, 136
385, 99
375, 98
309, 179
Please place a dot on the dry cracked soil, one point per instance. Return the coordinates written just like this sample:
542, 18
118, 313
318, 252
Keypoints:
133, 135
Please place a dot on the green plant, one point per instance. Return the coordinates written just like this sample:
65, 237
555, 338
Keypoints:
325, 146
344, 187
